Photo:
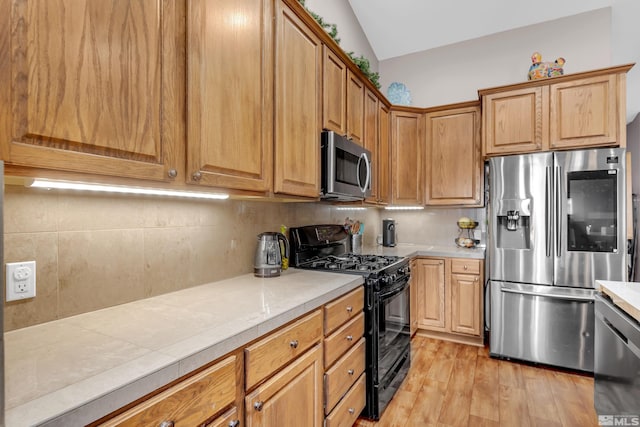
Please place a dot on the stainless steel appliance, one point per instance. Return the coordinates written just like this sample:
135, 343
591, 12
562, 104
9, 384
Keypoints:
388, 232
388, 347
617, 360
268, 257
557, 223
346, 169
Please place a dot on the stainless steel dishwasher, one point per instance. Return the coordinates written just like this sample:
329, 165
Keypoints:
617, 360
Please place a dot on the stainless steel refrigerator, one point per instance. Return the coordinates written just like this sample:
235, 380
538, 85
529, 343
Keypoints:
556, 224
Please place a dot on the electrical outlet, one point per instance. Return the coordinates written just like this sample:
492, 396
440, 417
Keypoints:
20, 280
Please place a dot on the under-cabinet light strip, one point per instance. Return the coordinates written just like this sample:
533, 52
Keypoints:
404, 208
81, 186
347, 208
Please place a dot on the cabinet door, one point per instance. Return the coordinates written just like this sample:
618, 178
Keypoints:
516, 121
355, 108
384, 155
334, 93
429, 280
406, 152
94, 87
371, 139
584, 112
454, 173
466, 295
292, 397
298, 95
229, 85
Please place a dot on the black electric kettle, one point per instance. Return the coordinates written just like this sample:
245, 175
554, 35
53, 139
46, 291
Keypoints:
268, 261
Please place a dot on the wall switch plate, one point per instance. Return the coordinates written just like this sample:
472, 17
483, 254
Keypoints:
20, 280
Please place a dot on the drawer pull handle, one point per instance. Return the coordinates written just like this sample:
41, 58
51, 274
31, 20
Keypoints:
258, 405
349, 337
352, 411
350, 372
234, 423
349, 309
294, 344
166, 424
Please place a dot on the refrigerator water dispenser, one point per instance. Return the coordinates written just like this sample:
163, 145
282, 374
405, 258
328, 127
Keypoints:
513, 217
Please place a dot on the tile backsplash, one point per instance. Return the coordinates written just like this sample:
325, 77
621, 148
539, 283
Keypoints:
94, 252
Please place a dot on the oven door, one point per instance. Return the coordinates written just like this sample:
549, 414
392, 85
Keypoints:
393, 326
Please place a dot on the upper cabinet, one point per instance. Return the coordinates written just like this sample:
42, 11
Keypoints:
355, 107
572, 111
371, 139
298, 95
93, 87
454, 165
406, 155
230, 94
383, 166
334, 92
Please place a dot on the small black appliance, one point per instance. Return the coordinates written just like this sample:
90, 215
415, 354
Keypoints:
388, 232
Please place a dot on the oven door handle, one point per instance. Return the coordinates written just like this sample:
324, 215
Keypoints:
395, 291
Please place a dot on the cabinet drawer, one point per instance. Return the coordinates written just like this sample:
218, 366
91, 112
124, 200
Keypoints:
343, 374
271, 353
341, 310
465, 266
341, 340
231, 418
190, 402
347, 411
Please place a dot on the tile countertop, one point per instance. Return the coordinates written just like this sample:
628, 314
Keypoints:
75, 370
411, 250
625, 295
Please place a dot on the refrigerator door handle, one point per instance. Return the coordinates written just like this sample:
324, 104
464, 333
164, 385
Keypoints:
558, 224
548, 209
580, 298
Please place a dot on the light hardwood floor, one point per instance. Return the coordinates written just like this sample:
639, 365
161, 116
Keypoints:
455, 385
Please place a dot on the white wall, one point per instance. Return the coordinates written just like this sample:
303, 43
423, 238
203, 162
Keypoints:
625, 46
352, 38
454, 73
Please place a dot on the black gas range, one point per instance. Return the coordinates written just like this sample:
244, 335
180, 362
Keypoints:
327, 247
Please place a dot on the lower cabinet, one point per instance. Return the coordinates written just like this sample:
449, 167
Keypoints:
448, 301
293, 397
194, 401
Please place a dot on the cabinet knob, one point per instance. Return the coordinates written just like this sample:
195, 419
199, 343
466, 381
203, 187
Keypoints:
294, 344
441, 263
172, 173
349, 308
197, 176
352, 411
166, 424
234, 423
465, 267
475, 280
258, 405
350, 372
349, 337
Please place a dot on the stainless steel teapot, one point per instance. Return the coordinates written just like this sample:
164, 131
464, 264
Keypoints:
268, 260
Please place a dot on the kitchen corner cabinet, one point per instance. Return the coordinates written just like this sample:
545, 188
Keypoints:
334, 92
93, 87
383, 174
573, 111
230, 94
453, 165
406, 154
355, 108
448, 298
371, 140
298, 93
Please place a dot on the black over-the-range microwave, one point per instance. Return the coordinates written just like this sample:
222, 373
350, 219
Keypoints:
346, 169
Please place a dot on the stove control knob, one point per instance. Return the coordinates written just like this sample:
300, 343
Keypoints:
385, 279
394, 277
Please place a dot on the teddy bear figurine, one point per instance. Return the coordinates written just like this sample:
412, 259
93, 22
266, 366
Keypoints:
541, 70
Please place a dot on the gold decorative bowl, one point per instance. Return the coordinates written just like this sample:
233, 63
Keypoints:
468, 224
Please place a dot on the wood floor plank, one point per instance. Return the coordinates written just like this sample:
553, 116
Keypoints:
485, 395
455, 407
511, 374
440, 370
431, 397
467, 352
513, 406
475, 421
399, 409
540, 399
448, 350
541, 422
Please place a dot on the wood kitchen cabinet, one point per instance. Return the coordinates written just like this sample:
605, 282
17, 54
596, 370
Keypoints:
371, 140
383, 182
298, 93
355, 108
334, 92
453, 165
448, 298
93, 87
230, 94
406, 156
572, 111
